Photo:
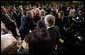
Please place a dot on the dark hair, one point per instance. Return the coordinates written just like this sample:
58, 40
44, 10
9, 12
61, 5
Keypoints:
80, 9
40, 42
53, 12
61, 12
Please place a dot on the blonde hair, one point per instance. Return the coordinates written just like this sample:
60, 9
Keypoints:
37, 10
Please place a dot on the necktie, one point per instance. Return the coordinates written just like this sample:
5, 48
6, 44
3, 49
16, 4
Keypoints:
8, 17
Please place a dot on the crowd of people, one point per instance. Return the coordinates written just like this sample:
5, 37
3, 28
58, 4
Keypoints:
48, 29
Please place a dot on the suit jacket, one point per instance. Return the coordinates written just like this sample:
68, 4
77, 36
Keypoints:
18, 20
54, 32
41, 23
36, 18
7, 21
23, 20
14, 15
61, 23
27, 24
81, 17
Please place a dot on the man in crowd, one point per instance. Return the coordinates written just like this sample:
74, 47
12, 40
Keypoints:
27, 24
41, 23
14, 14
61, 21
80, 15
9, 23
20, 14
52, 29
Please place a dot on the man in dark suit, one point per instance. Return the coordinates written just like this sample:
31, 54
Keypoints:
26, 24
80, 15
41, 23
14, 14
61, 21
53, 30
22, 28
20, 14
9, 23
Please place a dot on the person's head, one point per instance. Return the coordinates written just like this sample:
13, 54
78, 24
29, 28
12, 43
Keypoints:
14, 8
8, 10
30, 14
3, 10
53, 12
20, 9
40, 42
42, 12
49, 20
8, 43
60, 14
80, 11
20, 6
34, 7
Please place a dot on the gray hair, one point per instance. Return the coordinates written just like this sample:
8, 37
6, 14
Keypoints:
49, 20
42, 12
28, 14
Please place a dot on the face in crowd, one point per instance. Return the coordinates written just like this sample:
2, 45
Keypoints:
4, 10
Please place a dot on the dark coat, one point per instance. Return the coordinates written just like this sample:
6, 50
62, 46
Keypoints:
61, 23
26, 25
7, 21
14, 15
18, 20
54, 32
9, 24
41, 23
